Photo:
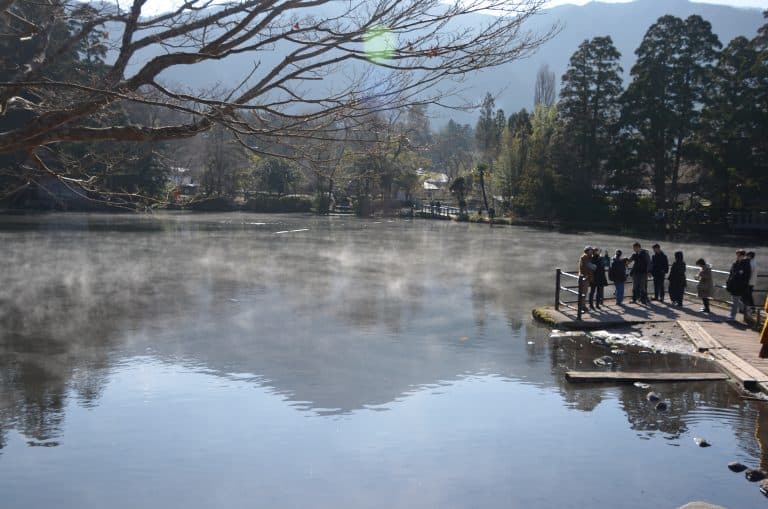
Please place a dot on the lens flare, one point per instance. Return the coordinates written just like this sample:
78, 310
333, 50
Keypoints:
379, 44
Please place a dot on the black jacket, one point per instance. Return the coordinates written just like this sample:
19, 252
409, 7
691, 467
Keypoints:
677, 275
738, 278
641, 262
659, 264
600, 279
618, 272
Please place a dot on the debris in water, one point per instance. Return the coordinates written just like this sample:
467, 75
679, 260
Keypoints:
618, 351
754, 475
736, 467
662, 407
530, 342
652, 397
642, 385
764, 487
292, 231
701, 442
605, 360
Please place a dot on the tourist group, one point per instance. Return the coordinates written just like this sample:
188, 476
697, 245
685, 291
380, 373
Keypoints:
597, 267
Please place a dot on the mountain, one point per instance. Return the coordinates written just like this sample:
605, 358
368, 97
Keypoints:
513, 84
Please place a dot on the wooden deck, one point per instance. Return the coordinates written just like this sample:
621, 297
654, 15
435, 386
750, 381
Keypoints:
735, 347
628, 376
732, 344
627, 314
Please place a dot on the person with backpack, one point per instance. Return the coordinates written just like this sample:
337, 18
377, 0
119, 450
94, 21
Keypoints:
618, 274
659, 269
641, 264
738, 282
677, 280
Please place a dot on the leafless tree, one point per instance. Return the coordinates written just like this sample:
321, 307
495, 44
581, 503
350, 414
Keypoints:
545, 87
390, 53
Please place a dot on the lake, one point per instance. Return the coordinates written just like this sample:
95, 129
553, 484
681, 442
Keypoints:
282, 361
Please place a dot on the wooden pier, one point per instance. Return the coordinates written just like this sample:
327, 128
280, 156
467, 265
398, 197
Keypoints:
629, 377
732, 344
612, 315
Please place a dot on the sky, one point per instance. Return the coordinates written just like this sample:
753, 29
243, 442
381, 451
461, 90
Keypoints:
736, 3
159, 5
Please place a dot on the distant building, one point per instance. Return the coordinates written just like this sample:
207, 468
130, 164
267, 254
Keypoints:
183, 181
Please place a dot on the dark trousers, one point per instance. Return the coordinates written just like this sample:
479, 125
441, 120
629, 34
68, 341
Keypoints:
640, 287
658, 286
676, 294
596, 294
749, 300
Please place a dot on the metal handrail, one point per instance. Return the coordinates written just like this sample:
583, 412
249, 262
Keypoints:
580, 296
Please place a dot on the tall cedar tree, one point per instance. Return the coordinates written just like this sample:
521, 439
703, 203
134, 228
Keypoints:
735, 127
662, 103
589, 105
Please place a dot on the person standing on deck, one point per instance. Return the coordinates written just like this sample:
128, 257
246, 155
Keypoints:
587, 270
677, 280
749, 300
659, 269
738, 282
705, 287
618, 274
641, 262
599, 282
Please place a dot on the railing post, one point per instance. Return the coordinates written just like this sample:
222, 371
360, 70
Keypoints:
580, 302
557, 289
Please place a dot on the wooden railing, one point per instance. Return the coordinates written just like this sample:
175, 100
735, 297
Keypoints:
561, 289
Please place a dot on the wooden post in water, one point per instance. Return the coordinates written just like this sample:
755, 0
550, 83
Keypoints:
557, 289
580, 303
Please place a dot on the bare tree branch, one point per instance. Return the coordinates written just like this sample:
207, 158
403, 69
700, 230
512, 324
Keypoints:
383, 55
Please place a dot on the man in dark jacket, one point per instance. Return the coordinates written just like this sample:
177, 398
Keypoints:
659, 269
618, 274
641, 263
738, 281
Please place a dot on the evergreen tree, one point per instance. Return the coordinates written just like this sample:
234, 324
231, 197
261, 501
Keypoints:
734, 128
662, 102
589, 106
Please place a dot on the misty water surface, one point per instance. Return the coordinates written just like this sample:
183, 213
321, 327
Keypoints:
236, 360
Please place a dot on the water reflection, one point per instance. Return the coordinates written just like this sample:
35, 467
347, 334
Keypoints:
346, 318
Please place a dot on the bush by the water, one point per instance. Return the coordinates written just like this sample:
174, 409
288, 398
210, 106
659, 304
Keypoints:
272, 203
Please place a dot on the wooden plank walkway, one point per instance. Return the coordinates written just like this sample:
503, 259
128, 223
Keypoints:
612, 315
735, 348
732, 344
701, 339
627, 376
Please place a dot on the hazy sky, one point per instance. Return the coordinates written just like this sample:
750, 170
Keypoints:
155, 5
735, 3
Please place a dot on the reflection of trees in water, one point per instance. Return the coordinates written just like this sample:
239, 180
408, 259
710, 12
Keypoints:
687, 402
202, 289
